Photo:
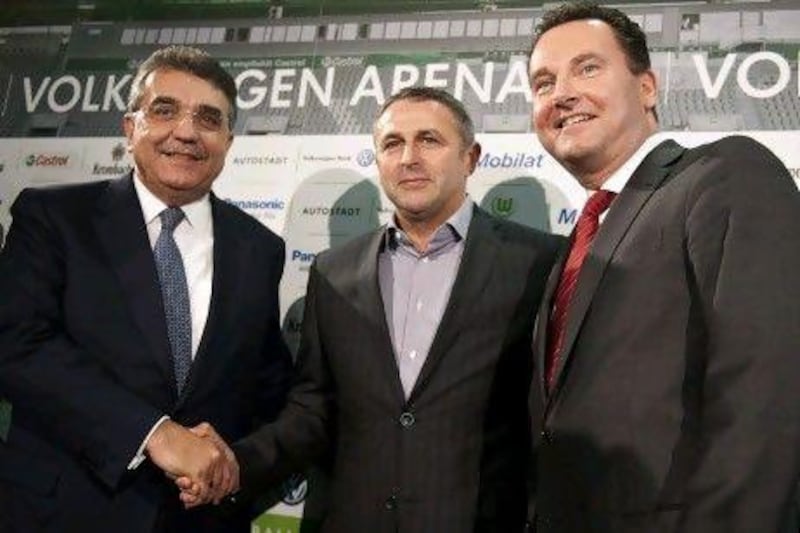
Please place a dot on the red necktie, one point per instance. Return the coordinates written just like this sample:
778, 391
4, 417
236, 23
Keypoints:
582, 237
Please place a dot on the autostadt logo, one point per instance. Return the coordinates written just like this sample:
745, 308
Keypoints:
260, 160
294, 490
502, 207
47, 160
365, 157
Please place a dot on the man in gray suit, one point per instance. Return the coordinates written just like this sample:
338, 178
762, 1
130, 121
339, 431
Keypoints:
415, 360
665, 392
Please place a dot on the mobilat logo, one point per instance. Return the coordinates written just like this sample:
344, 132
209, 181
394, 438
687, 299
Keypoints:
511, 160
46, 160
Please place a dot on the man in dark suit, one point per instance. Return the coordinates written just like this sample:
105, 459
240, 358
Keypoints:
119, 331
415, 362
665, 386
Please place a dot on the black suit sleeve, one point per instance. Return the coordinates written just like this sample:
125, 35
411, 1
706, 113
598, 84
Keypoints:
301, 432
743, 246
43, 372
276, 372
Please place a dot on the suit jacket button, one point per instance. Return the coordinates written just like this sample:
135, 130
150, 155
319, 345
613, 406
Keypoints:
391, 502
407, 419
547, 436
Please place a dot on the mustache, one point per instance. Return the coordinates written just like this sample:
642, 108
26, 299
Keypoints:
195, 152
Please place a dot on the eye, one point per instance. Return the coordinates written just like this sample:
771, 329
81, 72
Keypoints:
389, 144
209, 118
590, 69
162, 111
429, 140
542, 87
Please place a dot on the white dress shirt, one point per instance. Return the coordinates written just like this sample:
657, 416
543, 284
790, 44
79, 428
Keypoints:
194, 237
617, 181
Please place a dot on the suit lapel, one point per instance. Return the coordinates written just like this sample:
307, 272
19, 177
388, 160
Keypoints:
473, 274
643, 183
366, 298
122, 233
231, 258
543, 320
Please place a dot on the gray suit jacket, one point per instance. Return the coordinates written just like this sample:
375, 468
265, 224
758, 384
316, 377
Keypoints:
451, 457
676, 407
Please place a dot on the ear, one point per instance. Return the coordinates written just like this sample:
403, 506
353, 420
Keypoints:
128, 126
648, 89
474, 153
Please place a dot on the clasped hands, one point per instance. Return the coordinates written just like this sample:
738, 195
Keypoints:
202, 465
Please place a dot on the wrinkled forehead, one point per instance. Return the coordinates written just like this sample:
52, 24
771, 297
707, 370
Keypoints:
184, 88
566, 42
414, 115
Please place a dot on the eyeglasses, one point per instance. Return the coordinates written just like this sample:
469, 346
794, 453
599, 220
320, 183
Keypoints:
205, 118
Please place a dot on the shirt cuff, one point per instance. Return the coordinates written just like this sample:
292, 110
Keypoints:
140, 456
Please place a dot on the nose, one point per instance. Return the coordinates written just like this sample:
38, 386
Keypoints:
564, 92
409, 155
185, 127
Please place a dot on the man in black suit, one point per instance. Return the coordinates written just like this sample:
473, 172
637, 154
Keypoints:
665, 390
415, 362
131, 310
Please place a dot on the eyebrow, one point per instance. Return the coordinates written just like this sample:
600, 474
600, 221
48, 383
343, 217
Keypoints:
578, 59
416, 134
205, 108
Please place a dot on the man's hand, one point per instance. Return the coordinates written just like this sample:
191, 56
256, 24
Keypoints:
225, 480
180, 453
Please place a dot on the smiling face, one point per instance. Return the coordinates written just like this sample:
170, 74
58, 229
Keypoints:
422, 161
589, 110
176, 152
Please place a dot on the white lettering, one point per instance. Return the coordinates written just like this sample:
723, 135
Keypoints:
368, 86
70, 81
255, 94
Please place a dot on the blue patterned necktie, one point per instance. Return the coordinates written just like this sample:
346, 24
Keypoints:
174, 294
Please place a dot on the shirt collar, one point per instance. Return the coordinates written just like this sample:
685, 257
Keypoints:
458, 222
197, 213
617, 181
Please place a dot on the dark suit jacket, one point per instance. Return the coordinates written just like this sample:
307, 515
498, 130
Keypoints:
451, 457
85, 361
676, 407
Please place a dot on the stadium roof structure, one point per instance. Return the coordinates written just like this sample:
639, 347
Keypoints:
48, 12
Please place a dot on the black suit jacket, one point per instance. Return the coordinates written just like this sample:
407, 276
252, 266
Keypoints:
676, 407
85, 361
451, 457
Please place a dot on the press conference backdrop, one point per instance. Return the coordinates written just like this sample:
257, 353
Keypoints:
303, 162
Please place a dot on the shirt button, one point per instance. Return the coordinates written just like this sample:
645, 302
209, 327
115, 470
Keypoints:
412, 354
407, 419
391, 502
419, 305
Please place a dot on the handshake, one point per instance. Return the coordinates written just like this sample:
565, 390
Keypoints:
203, 467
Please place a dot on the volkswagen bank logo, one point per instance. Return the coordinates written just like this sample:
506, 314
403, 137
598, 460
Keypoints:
365, 157
294, 490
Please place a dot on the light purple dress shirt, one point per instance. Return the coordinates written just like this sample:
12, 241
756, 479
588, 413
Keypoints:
416, 288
